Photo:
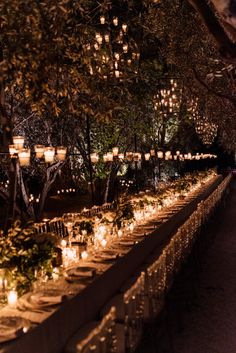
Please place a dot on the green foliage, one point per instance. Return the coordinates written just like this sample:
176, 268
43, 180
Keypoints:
23, 254
124, 214
86, 225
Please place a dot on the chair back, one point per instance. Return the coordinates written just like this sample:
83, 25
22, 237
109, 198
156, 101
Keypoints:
134, 313
102, 339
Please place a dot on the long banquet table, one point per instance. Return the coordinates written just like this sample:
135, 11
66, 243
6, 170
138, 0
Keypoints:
52, 334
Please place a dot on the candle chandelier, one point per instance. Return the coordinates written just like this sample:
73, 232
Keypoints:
167, 100
50, 154
115, 156
206, 129
111, 50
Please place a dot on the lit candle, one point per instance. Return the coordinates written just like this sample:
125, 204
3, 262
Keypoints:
107, 38
137, 156
105, 158
39, 150
125, 48
12, 150
131, 227
124, 27
69, 255
24, 157
84, 255
49, 154
18, 142
55, 274
84, 232
63, 243
94, 157
102, 20
103, 243
115, 21
168, 154
61, 153
12, 298
129, 156
109, 156
115, 151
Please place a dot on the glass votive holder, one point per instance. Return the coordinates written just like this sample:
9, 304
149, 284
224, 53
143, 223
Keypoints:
63, 243
69, 255
104, 243
12, 297
84, 255
55, 274
84, 232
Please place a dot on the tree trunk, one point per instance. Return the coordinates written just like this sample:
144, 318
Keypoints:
5, 140
28, 206
107, 189
51, 175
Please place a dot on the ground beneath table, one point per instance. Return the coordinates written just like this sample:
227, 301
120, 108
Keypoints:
201, 311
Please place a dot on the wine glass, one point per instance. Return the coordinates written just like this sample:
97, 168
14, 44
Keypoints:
68, 220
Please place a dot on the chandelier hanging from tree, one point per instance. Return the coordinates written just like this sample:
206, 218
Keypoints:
110, 48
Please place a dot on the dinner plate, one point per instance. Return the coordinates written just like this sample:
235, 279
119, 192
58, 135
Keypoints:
12, 327
42, 299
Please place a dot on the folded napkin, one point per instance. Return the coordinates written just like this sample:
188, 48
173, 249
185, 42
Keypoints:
44, 298
81, 272
126, 242
101, 257
108, 256
7, 331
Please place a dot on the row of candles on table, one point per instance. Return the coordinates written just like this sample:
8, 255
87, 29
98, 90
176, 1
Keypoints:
105, 234
17, 150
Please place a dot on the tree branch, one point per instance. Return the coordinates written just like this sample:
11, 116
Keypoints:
226, 47
23, 121
212, 91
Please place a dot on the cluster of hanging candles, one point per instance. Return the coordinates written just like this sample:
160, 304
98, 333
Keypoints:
206, 129
167, 100
111, 51
50, 153
129, 156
